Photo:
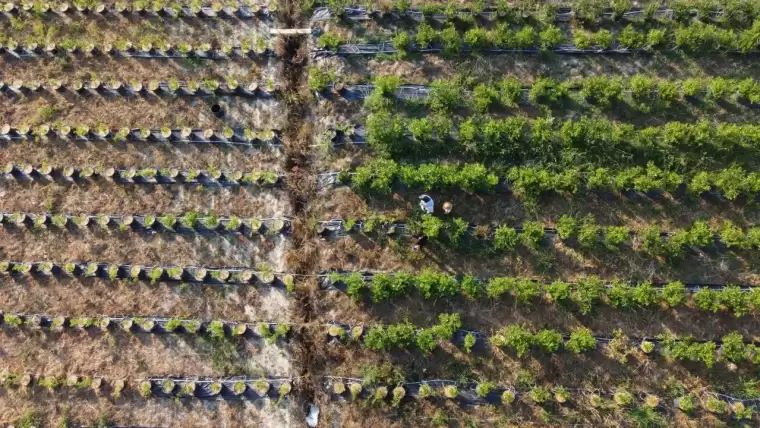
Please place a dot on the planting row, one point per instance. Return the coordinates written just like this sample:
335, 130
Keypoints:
696, 38
583, 232
206, 87
545, 140
127, 49
485, 393
583, 295
380, 175
139, 9
735, 13
732, 349
643, 92
208, 178
234, 388
213, 329
189, 223
113, 272
227, 136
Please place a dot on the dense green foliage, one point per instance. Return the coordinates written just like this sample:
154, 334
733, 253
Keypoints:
404, 335
583, 143
585, 293
695, 38
379, 175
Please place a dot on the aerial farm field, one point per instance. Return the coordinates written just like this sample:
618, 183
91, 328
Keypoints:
394, 213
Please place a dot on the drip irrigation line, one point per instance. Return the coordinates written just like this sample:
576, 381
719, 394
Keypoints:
561, 13
230, 136
243, 11
150, 176
177, 274
112, 90
20, 51
387, 48
151, 223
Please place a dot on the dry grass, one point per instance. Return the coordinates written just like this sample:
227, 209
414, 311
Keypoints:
109, 197
130, 409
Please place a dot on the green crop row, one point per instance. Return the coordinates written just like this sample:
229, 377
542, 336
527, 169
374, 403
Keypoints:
379, 175
549, 141
519, 338
695, 38
581, 231
735, 13
645, 92
584, 294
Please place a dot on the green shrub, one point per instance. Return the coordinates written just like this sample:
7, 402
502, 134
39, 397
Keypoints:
581, 340
614, 236
674, 294
735, 300
385, 338
588, 234
510, 92
700, 234
526, 291
715, 405
516, 337
558, 291
469, 342
320, 79
687, 404
588, 292
540, 394
651, 240
567, 226
733, 348
548, 340
484, 96
733, 236
532, 234
402, 41
425, 35
708, 300
505, 238
330, 41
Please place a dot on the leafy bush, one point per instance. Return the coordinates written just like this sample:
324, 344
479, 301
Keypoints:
687, 404
498, 286
581, 340
733, 236
614, 236
708, 300
505, 238
484, 96
733, 348
330, 41
484, 388
587, 293
567, 227
532, 234
548, 340
674, 294
715, 405
320, 79
588, 234
510, 92
388, 337
602, 90
516, 337
540, 394
558, 291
